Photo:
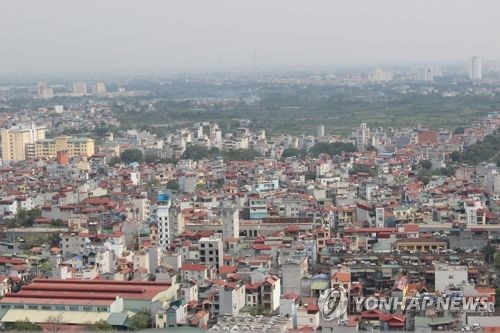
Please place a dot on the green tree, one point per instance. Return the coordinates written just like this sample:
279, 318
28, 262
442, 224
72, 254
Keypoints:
489, 252
241, 155
101, 325
114, 161
173, 185
331, 149
26, 325
26, 218
425, 164
455, 156
291, 152
197, 153
58, 223
140, 321
497, 263
131, 155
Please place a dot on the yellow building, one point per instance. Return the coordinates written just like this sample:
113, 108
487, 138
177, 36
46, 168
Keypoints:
73, 146
18, 141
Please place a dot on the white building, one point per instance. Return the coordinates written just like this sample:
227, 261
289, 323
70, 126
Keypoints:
160, 214
475, 68
231, 299
211, 251
230, 223
321, 131
79, 88
362, 135
475, 213
99, 88
445, 275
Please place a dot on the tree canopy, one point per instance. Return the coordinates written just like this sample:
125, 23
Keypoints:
25, 326
335, 148
131, 155
140, 321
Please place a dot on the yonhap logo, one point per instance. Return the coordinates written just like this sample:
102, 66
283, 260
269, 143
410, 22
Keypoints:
333, 303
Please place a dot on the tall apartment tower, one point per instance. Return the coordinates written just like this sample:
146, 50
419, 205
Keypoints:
44, 90
160, 214
475, 68
321, 131
79, 88
99, 88
18, 142
362, 135
230, 222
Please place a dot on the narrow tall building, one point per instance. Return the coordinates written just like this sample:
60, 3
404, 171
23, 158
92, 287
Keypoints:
230, 222
44, 90
321, 131
475, 68
79, 88
160, 214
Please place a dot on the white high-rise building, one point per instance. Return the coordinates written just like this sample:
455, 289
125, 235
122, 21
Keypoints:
44, 90
230, 223
99, 88
425, 74
321, 131
79, 88
475, 68
160, 214
362, 135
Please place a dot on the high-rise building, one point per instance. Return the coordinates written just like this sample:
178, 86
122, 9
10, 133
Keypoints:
44, 91
79, 88
321, 131
73, 146
99, 88
160, 214
475, 68
362, 135
18, 141
380, 75
425, 74
230, 222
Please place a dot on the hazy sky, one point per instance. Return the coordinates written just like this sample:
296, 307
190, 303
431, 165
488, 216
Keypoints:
62, 35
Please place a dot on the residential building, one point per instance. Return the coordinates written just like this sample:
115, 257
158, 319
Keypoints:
74, 146
18, 141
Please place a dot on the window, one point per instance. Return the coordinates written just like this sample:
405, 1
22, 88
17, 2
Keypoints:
102, 309
87, 308
19, 306
46, 307
60, 307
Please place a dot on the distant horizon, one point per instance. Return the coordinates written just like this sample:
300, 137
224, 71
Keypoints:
131, 36
326, 68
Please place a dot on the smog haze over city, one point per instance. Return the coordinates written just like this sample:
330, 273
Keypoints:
275, 166
192, 35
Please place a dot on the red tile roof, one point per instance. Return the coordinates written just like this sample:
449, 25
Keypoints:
78, 291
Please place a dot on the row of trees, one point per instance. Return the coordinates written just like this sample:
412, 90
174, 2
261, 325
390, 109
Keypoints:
332, 149
200, 152
484, 151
